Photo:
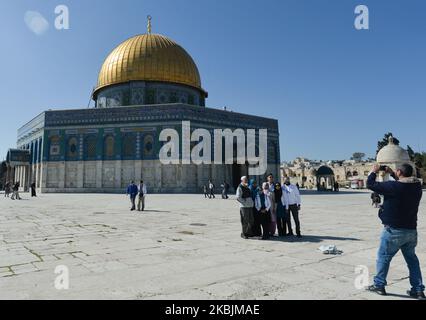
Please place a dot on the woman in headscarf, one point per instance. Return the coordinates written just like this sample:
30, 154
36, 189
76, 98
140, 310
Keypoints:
280, 210
263, 205
257, 232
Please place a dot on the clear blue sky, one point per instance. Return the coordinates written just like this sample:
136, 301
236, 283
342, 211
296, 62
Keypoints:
335, 90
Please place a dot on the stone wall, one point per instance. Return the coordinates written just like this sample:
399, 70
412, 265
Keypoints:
114, 176
101, 150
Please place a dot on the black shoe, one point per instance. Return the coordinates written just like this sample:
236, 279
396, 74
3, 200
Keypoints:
299, 235
244, 237
290, 234
417, 295
377, 290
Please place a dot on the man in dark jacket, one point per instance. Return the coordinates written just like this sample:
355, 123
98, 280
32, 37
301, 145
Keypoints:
399, 217
132, 191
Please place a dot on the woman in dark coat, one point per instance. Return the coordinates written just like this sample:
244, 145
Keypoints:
257, 231
281, 221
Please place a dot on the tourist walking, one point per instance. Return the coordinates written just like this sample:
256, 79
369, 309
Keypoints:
281, 219
264, 204
225, 190
33, 190
256, 228
15, 191
206, 191
292, 202
245, 200
132, 191
399, 217
141, 195
211, 190
7, 189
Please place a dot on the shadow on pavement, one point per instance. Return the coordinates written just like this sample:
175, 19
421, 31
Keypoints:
328, 193
311, 238
403, 296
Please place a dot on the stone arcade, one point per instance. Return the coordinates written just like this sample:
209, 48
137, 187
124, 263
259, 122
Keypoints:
147, 84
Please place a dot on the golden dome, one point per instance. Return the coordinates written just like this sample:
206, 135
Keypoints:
149, 57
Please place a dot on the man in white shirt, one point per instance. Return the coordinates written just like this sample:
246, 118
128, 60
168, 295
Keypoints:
291, 201
141, 196
211, 190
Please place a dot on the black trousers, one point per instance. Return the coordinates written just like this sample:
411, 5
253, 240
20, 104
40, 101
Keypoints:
212, 194
265, 222
132, 201
281, 225
256, 230
294, 210
247, 220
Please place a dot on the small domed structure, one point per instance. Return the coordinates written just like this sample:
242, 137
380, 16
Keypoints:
392, 153
324, 171
392, 156
325, 178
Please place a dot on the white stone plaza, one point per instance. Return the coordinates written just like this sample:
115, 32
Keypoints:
188, 247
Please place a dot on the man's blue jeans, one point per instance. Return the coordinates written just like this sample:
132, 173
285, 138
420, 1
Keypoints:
393, 240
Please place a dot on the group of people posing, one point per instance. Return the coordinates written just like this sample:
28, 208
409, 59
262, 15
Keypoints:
266, 208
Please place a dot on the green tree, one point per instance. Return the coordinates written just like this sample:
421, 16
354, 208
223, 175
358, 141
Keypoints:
358, 156
411, 153
384, 142
419, 160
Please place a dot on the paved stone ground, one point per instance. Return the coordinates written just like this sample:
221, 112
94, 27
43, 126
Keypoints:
186, 247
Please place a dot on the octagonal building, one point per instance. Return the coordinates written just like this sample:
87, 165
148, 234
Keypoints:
147, 84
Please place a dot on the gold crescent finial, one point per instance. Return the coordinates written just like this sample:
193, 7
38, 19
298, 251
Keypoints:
149, 27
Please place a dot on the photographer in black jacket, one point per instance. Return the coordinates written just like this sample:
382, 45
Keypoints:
399, 217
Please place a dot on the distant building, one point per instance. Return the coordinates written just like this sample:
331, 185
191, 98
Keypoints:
313, 174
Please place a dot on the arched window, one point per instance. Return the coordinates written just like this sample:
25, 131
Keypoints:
55, 146
129, 146
109, 147
173, 97
90, 148
148, 145
72, 148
